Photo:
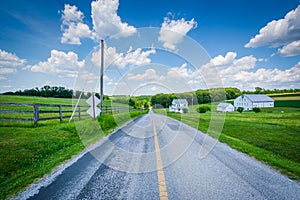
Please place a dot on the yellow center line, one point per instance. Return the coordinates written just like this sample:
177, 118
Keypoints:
163, 195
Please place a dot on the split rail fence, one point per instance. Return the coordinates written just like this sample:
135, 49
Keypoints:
37, 112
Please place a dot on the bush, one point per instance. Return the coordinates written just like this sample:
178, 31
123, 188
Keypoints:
256, 110
240, 109
203, 109
185, 110
106, 122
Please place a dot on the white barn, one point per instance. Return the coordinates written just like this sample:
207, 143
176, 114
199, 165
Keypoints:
225, 107
250, 101
178, 105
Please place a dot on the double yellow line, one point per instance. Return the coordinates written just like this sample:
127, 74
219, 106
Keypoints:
163, 194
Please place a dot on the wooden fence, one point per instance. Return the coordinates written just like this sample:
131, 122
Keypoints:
63, 111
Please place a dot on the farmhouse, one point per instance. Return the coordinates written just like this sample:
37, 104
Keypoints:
250, 101
225, 107
178, 105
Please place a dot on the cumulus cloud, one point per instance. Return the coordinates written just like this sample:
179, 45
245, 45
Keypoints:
270, 77
106, 21
220, 69
228, 65
64, 64
241, 73
73, 27
149, 75
10, 60
278, 32
179, 72
291, 49
9, 63
172, 31
135, 57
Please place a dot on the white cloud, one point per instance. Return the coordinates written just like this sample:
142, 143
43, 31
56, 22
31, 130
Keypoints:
73, 27
2, 78
106, 21
238, 72
228, 65
64, 64
218, 72
179, 72
153, 89
10, 60
278, 32
149, 75
135, 57
270, 78
5, 70
173, 31
292, 49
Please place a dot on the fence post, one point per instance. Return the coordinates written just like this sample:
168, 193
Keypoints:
60, 113
79, 116
35, 114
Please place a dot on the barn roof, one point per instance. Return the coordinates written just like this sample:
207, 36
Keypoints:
258, 97
180, 101
224, 105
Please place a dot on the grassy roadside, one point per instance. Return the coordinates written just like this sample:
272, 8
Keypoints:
27, 153
270, 136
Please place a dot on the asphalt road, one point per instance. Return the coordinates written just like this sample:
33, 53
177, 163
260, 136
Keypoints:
125, 166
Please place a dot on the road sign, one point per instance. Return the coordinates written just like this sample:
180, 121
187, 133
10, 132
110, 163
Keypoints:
91, 111
93, 101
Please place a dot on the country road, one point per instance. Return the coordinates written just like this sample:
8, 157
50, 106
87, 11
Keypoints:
155, 157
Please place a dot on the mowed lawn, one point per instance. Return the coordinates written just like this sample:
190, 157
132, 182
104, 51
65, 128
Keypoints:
27, 152
272, 136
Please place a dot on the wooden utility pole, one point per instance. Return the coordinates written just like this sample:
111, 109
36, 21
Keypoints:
101, 76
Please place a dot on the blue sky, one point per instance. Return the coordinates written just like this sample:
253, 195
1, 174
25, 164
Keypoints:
246, 43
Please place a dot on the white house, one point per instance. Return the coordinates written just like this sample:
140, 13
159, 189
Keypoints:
250, 101
178, 105
225, 107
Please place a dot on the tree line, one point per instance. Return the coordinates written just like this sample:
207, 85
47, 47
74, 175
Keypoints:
52, 91
211, 95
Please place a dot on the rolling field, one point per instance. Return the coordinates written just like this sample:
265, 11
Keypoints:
271, 136
28, 152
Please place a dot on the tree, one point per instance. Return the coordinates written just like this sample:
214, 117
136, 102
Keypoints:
131, 102
203, 109
45, 91
240, 109
146, 106
259, 90
256, 110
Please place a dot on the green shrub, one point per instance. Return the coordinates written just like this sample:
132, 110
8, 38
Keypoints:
106, 121
185, 110
256, 110
240, 109
203, 109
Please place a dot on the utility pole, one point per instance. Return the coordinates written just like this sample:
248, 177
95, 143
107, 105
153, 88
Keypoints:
101, 75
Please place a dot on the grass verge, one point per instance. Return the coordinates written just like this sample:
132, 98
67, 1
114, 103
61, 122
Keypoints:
27, 153
271, 136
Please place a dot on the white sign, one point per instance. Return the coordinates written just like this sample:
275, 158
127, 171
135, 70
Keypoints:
90, 101
91, 111
93, 101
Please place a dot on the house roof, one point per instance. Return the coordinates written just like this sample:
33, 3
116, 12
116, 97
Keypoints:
258, 98
179, 101
224, 105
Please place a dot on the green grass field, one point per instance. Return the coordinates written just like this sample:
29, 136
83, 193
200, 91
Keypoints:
27, 152
272, 136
